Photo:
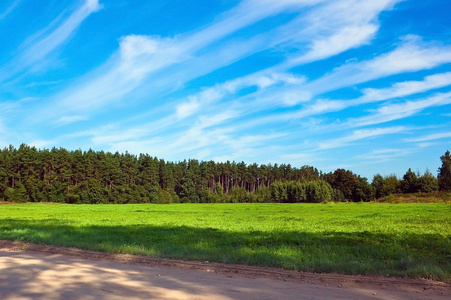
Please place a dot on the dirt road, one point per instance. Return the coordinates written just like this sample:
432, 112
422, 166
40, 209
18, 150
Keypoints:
29, 271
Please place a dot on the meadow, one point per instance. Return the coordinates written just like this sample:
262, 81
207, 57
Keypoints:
406, 240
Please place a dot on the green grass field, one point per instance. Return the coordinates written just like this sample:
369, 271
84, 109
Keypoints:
408, 240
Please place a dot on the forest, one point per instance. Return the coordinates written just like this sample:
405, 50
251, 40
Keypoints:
57, 175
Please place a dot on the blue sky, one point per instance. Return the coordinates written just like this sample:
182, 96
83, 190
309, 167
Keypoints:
361, 85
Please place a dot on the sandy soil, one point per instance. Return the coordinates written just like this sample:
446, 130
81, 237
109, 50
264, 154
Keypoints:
29, 271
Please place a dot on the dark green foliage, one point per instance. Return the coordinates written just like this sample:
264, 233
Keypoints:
318, 191
17, 194
378, 185
95, 192
409, 182
384, 186
444, 173
89, 177
164, 197
363, 191
279, 192
153, 194
427, 183
352, 186
237, 194
392, 185
218, 189
188, 190
301, 192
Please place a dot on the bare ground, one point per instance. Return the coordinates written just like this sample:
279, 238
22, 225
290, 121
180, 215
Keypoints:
30, 271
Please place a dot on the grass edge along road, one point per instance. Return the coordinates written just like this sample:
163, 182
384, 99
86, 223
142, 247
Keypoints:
406, 240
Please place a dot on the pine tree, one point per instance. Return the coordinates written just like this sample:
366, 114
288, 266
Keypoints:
409, 182
427, 183
444, 173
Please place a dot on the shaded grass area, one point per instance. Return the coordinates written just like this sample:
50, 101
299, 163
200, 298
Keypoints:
396, 240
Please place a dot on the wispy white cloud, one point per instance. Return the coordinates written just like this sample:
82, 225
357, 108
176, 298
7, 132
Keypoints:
244, 14
359, 135
103, 138
397, 90
339, 26
3, 129
406, 88
347, 38
431, 137
396, 111
411, 55
10, 108
195, 102
64, 120
150, 61
426, 55
303, 158
383, 155
43, 83
155, 63
187, 108
213, 135
38, 47
341, 30
9, 9
385, 113
41, 144
230, 88
214, 120
317, 34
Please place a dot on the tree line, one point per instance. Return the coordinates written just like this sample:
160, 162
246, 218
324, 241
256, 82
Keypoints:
28, 174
